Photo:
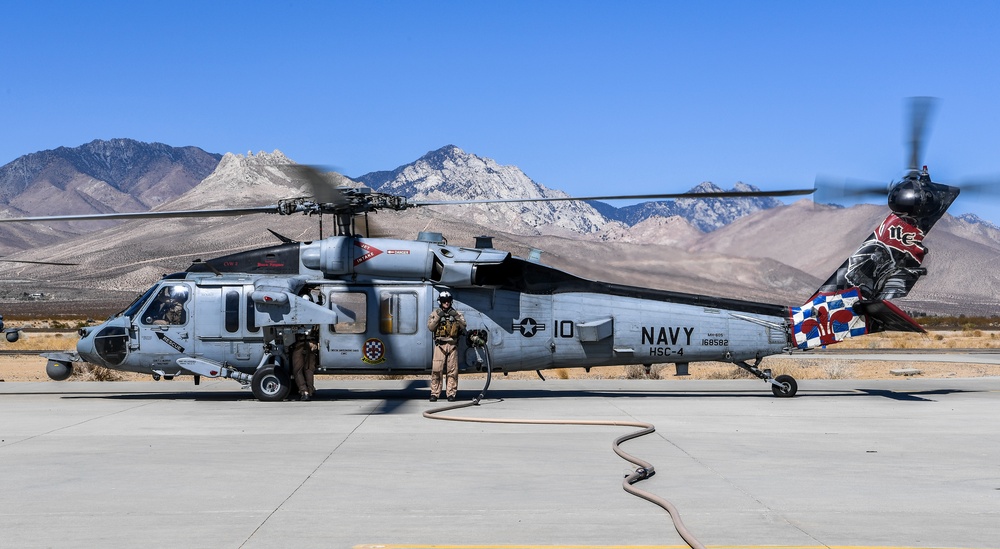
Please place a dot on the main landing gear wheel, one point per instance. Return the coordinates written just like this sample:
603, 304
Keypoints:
786, 386
271, 384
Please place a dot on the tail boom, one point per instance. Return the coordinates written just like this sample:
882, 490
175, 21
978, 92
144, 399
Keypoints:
854, 300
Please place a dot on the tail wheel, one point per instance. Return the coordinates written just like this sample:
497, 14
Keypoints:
271, 384
786, 386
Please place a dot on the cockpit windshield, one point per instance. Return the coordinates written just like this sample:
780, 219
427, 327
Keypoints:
134, 307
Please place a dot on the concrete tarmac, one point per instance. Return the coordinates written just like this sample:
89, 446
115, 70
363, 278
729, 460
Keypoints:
907, 463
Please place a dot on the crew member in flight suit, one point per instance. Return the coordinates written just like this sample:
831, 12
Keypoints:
305, 358
174, 314
447, 324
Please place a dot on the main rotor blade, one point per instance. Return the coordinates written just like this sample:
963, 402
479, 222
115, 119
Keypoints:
343, 205
39, 262
662, 196
144, 215
835, 190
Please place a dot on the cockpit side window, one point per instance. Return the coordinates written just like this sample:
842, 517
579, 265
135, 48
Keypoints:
167, 308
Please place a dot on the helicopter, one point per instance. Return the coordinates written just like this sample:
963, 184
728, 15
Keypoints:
12, 334
236, 316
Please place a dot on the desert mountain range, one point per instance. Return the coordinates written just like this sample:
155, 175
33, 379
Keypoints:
755, 249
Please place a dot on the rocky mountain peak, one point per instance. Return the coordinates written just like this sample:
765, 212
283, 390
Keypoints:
252, 165
705, 214
251, 179
974, 219
449, 154
451, 173
102, 176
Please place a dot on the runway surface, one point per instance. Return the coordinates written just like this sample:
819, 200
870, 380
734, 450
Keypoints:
902, 463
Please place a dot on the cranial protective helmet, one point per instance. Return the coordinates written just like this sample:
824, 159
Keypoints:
445, 296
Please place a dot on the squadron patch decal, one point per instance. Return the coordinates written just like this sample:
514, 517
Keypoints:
374, 351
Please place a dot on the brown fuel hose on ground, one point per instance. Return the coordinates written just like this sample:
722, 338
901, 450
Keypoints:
644, 470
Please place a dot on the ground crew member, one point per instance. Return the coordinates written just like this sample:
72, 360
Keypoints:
305, 359
447, 325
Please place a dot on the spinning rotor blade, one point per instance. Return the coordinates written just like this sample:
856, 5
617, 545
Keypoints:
345, 202
324, 191
921, 109
145, 215
831, 190
834, 190
38, 262
665, 196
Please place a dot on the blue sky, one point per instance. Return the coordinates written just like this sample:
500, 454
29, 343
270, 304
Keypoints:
587, 97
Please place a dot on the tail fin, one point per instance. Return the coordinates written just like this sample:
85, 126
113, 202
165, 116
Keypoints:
853, 301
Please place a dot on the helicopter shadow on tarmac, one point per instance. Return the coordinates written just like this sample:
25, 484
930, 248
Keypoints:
393, 398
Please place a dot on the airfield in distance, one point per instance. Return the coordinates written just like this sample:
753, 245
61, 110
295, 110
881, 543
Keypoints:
848, 463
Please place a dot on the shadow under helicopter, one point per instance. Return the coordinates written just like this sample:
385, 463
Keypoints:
394, 399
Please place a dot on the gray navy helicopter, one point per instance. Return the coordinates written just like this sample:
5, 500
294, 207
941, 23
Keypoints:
236, 316
12, 334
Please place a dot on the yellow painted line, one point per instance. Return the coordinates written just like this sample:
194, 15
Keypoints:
533, 546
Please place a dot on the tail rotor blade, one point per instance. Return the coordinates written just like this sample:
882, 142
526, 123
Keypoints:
921, 109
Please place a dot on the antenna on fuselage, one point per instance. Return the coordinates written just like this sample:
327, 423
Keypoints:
212, 267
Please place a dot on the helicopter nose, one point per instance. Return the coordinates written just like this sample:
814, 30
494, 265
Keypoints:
85, 347
105, 345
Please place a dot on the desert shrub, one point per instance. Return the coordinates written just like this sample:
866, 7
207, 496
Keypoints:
635, 371
731, 372
92, 372
838, 369
638, 371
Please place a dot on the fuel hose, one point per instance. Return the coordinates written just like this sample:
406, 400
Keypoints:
643, 470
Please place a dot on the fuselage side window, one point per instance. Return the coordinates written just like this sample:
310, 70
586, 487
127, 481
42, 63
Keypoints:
232, 322
352, 312
251, 316
398, 313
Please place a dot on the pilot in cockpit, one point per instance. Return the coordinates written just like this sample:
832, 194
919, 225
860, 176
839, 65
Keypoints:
168, 308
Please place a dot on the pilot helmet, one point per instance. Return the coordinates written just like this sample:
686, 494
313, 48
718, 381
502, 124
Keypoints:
445, 297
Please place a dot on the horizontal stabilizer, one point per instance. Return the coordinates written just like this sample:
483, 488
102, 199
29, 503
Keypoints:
885, 317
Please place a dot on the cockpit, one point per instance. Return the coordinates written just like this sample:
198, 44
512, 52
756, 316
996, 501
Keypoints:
168, 308
165, 304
